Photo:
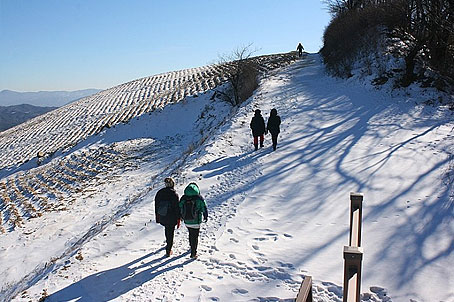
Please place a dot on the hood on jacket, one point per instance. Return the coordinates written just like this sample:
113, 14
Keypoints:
273, 112
192, 190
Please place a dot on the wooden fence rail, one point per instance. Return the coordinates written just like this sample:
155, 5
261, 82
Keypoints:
353, 253
305, 292
353, 257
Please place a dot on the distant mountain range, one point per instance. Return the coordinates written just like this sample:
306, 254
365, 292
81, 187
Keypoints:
18, 107
11, 116
43, 98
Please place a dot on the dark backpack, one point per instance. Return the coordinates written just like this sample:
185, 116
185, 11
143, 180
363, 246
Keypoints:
189, 209
163, 208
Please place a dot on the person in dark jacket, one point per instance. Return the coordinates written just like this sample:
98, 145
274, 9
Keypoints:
167, 211
258, 128
300, 49
192, 208
273, 126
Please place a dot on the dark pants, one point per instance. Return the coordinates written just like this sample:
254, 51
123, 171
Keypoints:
170, 231
256, 141
193, 240
274, 139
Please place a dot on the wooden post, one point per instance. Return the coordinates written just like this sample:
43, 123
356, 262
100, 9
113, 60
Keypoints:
353, 257
353, 254
305, 292
356, 215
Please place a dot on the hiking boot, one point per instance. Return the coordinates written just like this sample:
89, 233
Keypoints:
169, 253
194, 256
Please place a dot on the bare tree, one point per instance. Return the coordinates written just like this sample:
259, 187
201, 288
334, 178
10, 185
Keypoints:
242, 75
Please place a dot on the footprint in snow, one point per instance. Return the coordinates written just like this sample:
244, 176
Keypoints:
271, 234
234, 240
255, 247
263, 268
259, 239
286, 265
206, 287
240, 291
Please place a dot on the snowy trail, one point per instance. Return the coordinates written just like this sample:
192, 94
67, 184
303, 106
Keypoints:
275, 217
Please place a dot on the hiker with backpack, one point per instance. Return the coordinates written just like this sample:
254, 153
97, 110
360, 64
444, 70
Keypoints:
258, 128
192, 208
167, 211
273, 126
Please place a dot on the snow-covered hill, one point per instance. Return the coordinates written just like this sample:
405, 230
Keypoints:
63, 128
274, 217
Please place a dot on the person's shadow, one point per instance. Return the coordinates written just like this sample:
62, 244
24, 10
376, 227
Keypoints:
110, 284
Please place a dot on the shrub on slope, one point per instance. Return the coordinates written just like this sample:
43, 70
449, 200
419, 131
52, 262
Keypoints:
421, 32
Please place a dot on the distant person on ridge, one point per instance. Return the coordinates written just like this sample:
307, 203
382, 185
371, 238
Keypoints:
258, 128
167, 211
192, 208
273, 126
300, 49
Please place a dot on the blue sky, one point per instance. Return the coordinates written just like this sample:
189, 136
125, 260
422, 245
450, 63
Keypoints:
79, 44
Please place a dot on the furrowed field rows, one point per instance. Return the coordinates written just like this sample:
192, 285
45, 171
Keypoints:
64, 127
51, 187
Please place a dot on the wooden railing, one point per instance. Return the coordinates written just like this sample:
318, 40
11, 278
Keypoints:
353, 256
353, 253
305, 292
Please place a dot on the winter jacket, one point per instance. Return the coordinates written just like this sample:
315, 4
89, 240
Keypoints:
273, 124
192, 192
257, 125
167, 196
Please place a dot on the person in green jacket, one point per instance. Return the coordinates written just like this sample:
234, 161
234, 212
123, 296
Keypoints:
193, 207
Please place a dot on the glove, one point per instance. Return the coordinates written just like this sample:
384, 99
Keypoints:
178, 223
205, 219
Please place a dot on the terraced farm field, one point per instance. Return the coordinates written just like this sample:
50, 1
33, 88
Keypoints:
52, 187
27, 190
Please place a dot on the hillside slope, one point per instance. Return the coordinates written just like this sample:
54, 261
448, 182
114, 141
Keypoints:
62, 129
273, 216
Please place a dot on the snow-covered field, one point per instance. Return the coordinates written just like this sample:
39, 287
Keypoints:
63, 128
274, 217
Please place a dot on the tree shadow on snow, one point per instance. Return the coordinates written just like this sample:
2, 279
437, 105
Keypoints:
347, 120
229, 164
110, 284
422, 237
